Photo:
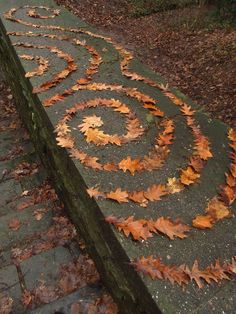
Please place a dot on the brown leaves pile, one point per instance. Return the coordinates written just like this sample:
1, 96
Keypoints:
182, 275
143, 229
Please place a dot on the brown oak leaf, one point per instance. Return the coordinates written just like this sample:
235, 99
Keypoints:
118, 195
155, 192
189, 176
131, 165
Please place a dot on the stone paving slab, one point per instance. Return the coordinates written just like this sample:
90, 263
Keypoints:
83, 74
9, 282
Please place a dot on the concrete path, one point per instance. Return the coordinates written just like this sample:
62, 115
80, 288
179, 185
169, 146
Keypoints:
147, 177
42, 269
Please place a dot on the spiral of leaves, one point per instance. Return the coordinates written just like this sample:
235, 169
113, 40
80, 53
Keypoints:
218, 207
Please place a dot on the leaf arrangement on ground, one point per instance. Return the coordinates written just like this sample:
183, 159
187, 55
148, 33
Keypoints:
93, 133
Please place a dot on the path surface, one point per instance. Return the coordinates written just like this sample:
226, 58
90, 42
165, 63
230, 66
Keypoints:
147, 176
42, 270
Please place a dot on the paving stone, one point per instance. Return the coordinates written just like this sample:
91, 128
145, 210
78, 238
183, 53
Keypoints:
9, 285
137, 87
63, 305
9, 190
28, 226
5, 258
45, 267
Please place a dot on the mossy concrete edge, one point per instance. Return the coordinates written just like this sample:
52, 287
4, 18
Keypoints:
112, 262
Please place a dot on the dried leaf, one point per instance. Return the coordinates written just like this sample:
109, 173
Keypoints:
137, 228
143, 229
131, 165
202, 222
188, 176
65, 141
138, 197
174, 185
14, 224
171, 228
118, 195
155, 192
217, 210
94, 192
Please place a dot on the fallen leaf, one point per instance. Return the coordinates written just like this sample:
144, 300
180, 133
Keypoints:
138, 197
202, 222
189, 176
171, 228
131, 165
217, 209
174, 185
143, 229
38, 213
155, 192
118, 195
94, 192
65, 141
14, 224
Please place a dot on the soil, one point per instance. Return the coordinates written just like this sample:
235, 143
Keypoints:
191, 53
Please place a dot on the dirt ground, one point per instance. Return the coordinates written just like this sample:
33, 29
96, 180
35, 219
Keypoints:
192, 54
